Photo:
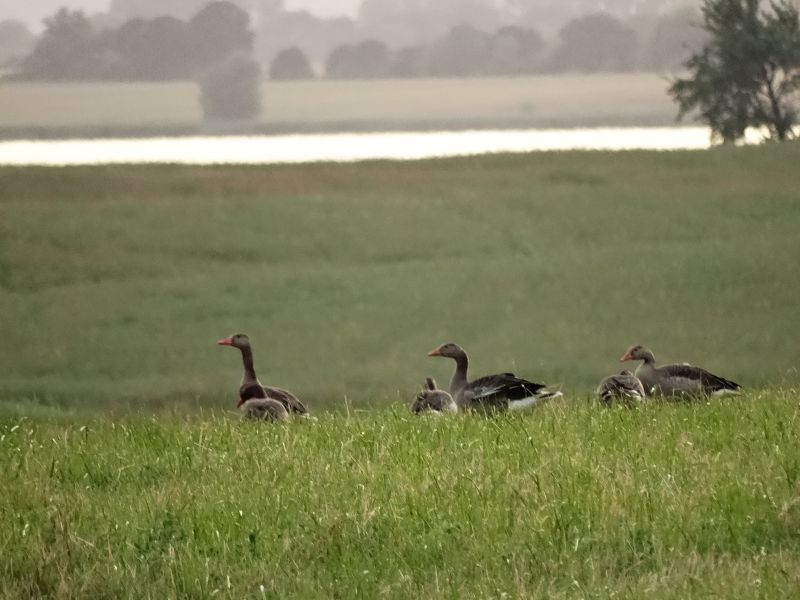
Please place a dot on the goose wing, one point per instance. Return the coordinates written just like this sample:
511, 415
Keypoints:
706, 380
287, 398
502, 387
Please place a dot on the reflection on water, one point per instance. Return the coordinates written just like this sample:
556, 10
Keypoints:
344, 146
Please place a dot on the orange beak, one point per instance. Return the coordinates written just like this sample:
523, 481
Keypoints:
239, 403
435, 352
228, 341
626, 357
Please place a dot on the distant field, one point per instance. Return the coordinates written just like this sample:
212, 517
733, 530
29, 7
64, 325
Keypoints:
116, 281
546, 101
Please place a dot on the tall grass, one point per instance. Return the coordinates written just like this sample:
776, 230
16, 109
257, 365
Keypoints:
571, 500
116, 281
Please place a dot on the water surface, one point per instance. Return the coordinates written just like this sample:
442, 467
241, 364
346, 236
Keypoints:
344, 147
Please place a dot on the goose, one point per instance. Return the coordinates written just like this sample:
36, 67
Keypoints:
623, 386
251, 387
500, 392
264, 409
433, 400
676, 380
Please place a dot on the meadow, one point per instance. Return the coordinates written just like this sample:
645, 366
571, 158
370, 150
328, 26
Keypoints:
128, 473
116, 281
571, 501
92, 109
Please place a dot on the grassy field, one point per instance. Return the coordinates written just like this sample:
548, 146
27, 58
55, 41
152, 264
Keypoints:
117, 281
571, 501
141, 108
127, 473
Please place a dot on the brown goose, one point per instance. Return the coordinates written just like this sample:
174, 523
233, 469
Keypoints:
676, 380
433, 400
251, 387
623, 386
503, 391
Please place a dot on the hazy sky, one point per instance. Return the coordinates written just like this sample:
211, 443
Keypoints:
326, 7
33, 11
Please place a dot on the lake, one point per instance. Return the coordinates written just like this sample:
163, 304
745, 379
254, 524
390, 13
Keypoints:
345, 147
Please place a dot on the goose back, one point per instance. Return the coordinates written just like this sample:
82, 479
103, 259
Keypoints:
264, 409
622, 386
433, 400
676, 380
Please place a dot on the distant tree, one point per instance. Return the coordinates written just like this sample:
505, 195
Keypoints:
231, 89
319, 36
125, 10
218, 30
513, 50
409, 62
291, 63
403, 23
674, 38
369, 59
157, 49
748, 74
68, 49
594, 43
462, 52
16, 40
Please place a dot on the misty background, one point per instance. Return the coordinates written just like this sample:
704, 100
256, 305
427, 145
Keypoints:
115, 40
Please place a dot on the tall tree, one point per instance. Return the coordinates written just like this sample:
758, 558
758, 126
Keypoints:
748, 74
231, 89
219, 29
156, 49
513, 50
595, 42
16, 40
463, 51
367, 60
67, 49
291, 63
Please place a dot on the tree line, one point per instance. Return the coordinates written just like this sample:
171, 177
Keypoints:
593, 43
742, 63
162, 48
74, 47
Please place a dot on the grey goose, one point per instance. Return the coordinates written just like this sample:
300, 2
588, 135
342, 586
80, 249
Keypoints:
500, 392
676, 380
251, 387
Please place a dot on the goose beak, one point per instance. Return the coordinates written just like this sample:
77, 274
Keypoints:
626, 357
435, 352
228, 341
239, 403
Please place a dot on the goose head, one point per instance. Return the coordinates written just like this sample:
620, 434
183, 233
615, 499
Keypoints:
448, 350
638, 352
237, 340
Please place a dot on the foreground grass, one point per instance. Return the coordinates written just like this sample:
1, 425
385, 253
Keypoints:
147, 108
667, 501
115, 282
